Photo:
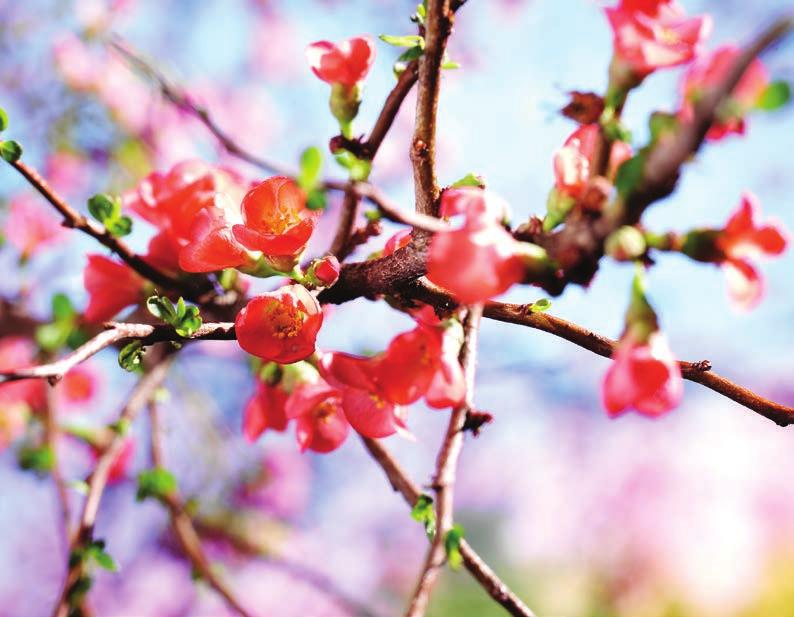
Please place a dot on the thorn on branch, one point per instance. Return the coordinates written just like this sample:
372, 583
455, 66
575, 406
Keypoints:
475, 420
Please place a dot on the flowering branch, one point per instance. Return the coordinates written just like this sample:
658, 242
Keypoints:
115, 333
74, 220
446, 464
139, 397
410, 492
182, 524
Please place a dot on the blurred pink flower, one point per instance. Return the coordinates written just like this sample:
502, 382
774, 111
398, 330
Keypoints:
31, 226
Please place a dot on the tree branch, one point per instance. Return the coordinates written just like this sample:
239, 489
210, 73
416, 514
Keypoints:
139, 397
74, 220
182, 524
115, 333
438, 26
410, 492
446, 464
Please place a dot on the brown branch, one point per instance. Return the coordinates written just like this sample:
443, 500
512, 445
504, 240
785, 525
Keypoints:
183, 101
74, 220
139, 397
341, 246
438, 26
699, 372
393, 212
391, 108
51, 435
410, 492
446, 465
115, 333
182, 524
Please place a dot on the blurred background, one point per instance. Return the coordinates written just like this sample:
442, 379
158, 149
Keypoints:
688, 515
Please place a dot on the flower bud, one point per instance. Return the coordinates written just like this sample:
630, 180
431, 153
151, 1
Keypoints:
625, 244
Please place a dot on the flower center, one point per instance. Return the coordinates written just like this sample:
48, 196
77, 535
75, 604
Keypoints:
669, 36
325, 411
280, 218
285, 320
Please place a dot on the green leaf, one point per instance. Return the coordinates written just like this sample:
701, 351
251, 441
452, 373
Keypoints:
775, 96
62, 307
53, 336
316, 199
131, 356
409, 40
119, 227
558, 206
406, 58
629, 174
373, 215
3, 119
189, 323
157, 482
470, 179
103, 207
311, 166
360, 170
162, 308
39, 459
11, 150
96, 551
423, 512
452, 546
540, 306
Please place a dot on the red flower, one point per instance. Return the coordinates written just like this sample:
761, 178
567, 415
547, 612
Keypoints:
421, 362
212, 245
31, 226
741, 239
653, 34
78, 386
645, 377
280, 326
474, 264
264, 410
346, 63
275, 218
708, 73
194, 205
111, 286
397, 241
320, 422
572, 161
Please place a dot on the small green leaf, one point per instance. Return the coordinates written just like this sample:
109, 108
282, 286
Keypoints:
775, 96
119, 227
452, 546
162, 308
423, 512
3, 119
406, 58
540, 306
409, 40
629, 174
448, 65
120, 427
373, 215
103, 207
11, 150
62, 307
316, 199
190, 323
39, 459
79, 486
53, 336
181, 308
558, 206
131, 356
470, 179
96, 551
360, 170
157, 483
311, 165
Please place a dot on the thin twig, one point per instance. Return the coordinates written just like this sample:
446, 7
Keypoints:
73, 219
393, 212
446, 465
341, 246
115, 333
410, 492
182, 524
137, 400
